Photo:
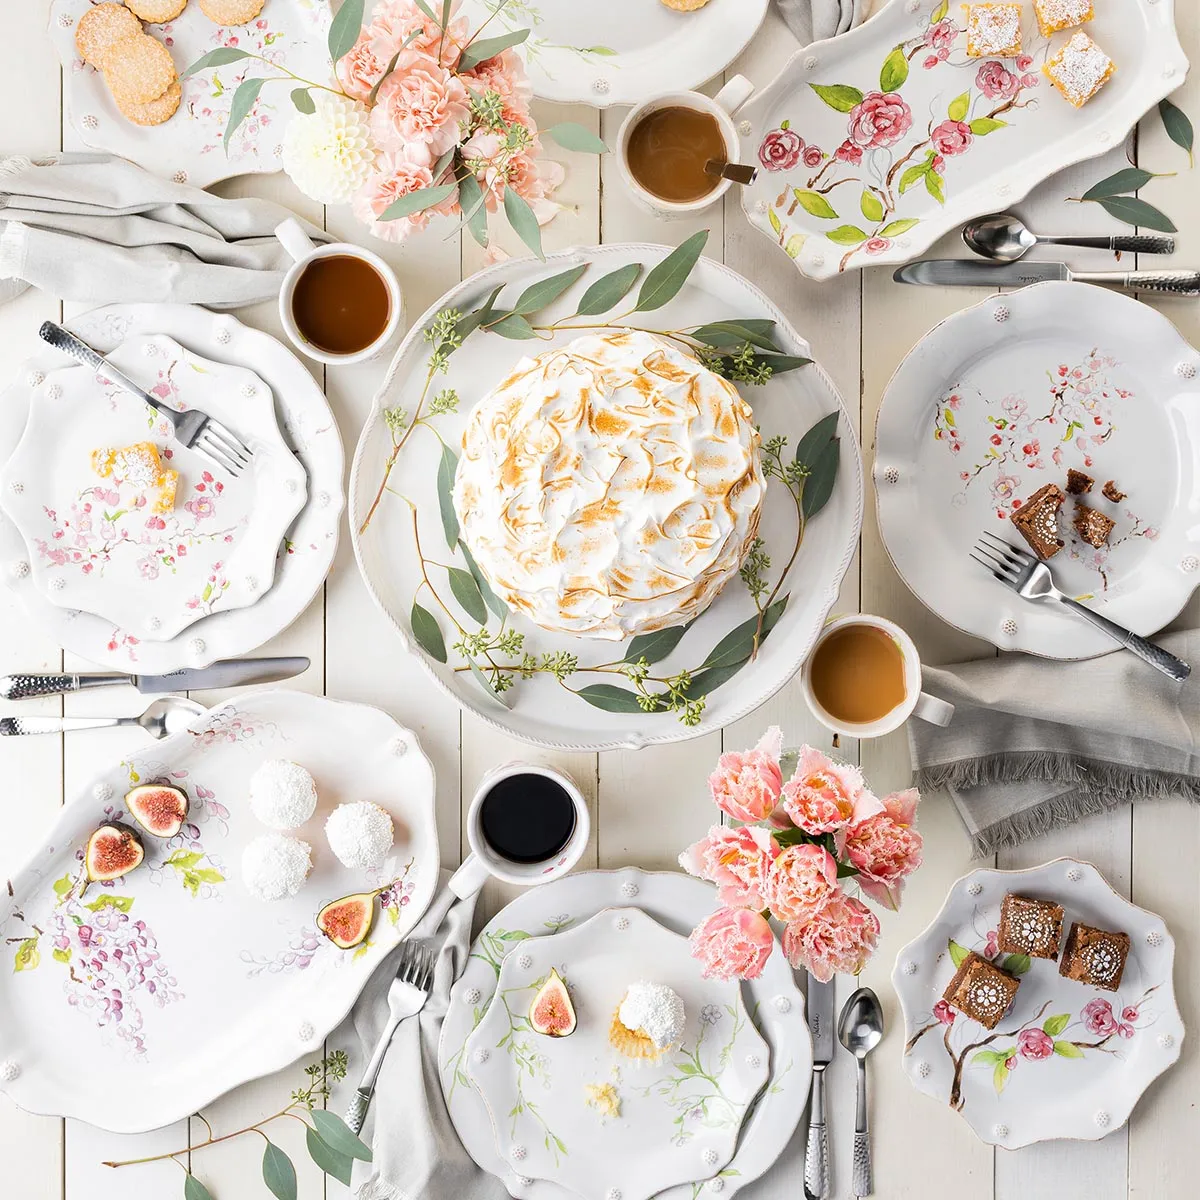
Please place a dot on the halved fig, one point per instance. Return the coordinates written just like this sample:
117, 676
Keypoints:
552, 1012
158, 808
346, 922
112, 851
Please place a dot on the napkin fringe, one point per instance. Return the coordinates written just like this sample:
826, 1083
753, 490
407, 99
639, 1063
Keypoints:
377, 1189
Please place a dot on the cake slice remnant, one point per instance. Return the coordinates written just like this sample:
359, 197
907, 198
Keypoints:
140, 468
1079, 70
1112, 492
1078, 482
1054, 15
1030, 926
980, 990
993, 30
1095, 956
1037, 520
1093, 526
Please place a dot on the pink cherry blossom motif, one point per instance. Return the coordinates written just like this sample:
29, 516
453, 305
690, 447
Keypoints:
1034, 1044
941, 36
1098, 1017
1024, 62
885, 848
930, 62
1125, 1030
1129, 1013
732, 943
823, 796
841, 936
420, 102
991, 946
780, 150
799, 881
201, 507
848, 152
747, 784
736, 860
813, 156
879, 119
943, 1012
877, 245
996, 81
951, 137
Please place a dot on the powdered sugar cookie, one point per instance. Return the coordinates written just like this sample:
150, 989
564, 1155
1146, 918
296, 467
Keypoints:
685, 5
156, 111
157, 11
231, 12
100, 28
138, 69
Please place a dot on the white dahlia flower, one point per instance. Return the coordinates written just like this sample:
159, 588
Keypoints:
329, 152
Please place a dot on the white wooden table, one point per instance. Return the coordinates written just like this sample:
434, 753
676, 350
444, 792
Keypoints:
647, 805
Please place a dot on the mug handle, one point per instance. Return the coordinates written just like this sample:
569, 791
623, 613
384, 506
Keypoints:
469, 878
734, 94
295, 241
930, 708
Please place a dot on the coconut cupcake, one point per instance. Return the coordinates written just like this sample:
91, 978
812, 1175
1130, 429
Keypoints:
648, 1022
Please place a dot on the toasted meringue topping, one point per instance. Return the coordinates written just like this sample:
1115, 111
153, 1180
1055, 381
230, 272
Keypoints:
610, 487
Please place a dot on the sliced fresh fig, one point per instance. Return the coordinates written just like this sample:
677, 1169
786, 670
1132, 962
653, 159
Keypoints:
552, 1012
346, 922
112, 851
158, 808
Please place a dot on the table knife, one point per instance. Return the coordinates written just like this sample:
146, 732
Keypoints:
232, 672
964, 272
819, 1007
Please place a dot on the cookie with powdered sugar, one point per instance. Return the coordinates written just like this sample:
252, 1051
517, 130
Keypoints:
155, 112
231, 12
101, 28
157, 11
138, 69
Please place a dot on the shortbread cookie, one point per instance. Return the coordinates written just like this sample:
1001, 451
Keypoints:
157, 111
157, 11
101, 28
138, 69
685, 5
231, 12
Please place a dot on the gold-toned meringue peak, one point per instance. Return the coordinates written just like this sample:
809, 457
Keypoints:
611, 486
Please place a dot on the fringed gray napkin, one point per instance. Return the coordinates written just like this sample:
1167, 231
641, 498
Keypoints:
814, 20
1036, 744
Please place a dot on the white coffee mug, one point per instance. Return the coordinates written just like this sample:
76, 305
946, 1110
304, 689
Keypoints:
722, 106
484, 861
296, 243
916, 703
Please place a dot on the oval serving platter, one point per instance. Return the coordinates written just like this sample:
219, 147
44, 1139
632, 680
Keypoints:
133, 1004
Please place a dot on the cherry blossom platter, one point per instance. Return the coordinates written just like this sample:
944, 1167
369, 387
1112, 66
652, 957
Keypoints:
874, 144
1067, 1060
108, 993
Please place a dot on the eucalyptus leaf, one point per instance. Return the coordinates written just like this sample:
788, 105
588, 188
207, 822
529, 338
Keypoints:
779, 363
387, 71
654, 647
612, 698
608, 291
572, 136
818, 487
278, 1173
520, 217
514, 326
466, 592
485, 589
427, 633
303, 102
1128, 179
239, 108
469, 322
738, 644
344, 28
443, 161
664, 280
214, 58
424, 7
735, 333
545, 291
445, 489
1177, 125
817, 438
485, 683
485, 48
1135, 211
193, 1189
417, 201
471, 197
337, 1135
328, 1159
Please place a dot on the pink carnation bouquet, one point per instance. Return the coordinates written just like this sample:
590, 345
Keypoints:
422, 117
801, 842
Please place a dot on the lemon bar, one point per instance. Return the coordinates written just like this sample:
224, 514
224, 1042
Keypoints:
1055, 15
140, 467
1079, 70
993, 30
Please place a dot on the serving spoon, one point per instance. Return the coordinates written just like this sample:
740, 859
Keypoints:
860, 1030
163, 717
1004, 237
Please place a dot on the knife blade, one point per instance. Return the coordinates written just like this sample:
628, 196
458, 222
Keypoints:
819, 1011
232, 672
965, 272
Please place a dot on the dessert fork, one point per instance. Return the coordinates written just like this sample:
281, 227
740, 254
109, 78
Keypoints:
193, 429
1031, 580
406, 998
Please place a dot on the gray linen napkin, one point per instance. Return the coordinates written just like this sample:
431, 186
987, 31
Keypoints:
95, 228
1036, 744
814, 20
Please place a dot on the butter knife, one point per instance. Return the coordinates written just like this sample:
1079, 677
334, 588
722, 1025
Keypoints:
819, 1009
965, 272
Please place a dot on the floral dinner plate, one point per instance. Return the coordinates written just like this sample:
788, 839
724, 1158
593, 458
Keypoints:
1003, 398
1068, 1060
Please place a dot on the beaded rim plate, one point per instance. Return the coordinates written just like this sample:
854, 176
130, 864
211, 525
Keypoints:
1069, 1060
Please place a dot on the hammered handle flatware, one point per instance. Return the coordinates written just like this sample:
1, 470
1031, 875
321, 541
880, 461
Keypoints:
1174, 283
1131, 243
816, 1155
863, 1181
26, 687
19, 726
356, 1110
1156, 656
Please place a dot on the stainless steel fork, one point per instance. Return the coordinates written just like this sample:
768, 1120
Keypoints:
1031, 579
406, 998
194, 429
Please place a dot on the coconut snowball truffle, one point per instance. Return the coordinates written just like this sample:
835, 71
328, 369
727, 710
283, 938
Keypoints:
360, 834
282, 794
275, 866
649, 1021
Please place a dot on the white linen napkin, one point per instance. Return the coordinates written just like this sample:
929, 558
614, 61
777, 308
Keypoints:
815, 20
96, 228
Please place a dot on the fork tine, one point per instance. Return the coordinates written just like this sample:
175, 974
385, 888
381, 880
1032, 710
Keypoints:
202, 449
230, 440
992, 569
1007, 548
213, 450
994, 562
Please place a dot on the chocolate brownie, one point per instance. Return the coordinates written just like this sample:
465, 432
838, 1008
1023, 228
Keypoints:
1029, 926
981, 991
1037, 520
1078, 482
1112, 492
1092, 525
1095, 956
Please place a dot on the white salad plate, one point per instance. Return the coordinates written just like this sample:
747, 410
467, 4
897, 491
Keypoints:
189, 147
1002, 398
99, 545
679, 1116
136, 1003
1067, 1060
304, 558
678, 902
875, 143
621, 51
542, 710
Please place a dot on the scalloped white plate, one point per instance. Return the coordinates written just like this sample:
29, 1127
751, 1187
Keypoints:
1068, 1060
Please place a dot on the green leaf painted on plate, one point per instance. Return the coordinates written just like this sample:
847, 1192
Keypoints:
485, 48
1000, 1074
894, 71
1015, 964
794, 245
957, 953
219, 57
340, 1166
896, 228
773, 218
114, 900
336, 1134
545, 291
933, 185
278, 1173
822, 475
913, 175
982, 126
847, 235
989, 1058
239, 108
815, 204
664, 280
1067, 1050
417, 201
520, 217
344, 28
445, 489
959, 107
871, 206
27, 957
572, 136
1053, 1026
1177, 125
608, 291
839, 96
427, 633
466, 592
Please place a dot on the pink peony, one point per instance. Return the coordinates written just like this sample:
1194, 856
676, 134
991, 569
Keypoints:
799, 881
420, 102
747, 784
812, 156
879, 119
736, 860
877, 245
885, 849
780, 149
941, 36
823, 796
996, 81
395, 176
951, 137
1098, 1017
848, 152
732, 942
943, 1012
1034, 1044
841, 936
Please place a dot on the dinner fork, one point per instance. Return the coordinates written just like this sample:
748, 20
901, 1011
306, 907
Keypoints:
406, 998
1031, 579
194, 429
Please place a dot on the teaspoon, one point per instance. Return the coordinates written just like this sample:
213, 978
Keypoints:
860, 1030
164, 716
1005, 238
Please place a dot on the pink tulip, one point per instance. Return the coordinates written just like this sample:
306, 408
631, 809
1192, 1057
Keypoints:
841, 936
823, 796
732, 943
799, 881
736, 860
747, 784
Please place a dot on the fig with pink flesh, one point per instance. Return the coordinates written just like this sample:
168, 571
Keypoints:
158, 808
112, 851
552, 1012
346, 922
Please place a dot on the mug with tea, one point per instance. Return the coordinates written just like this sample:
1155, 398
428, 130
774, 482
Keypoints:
863, 679
527, 824
665, 144
339, 303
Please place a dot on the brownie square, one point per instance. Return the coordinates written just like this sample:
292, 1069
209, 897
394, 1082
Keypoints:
1095, 956
1112, 492
1029, 926
1037, 520
1092, 525
981, 991
1078, 482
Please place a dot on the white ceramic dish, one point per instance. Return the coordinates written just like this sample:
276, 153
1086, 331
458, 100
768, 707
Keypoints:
1068, 1061
539, 710
622, 51
138, 1003
679, 1117
872, 145
974, 420
678, 902
308, 429
189, 147
98, 545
